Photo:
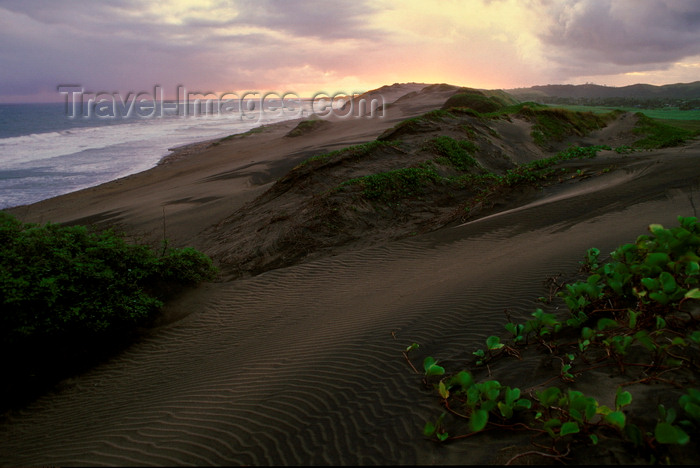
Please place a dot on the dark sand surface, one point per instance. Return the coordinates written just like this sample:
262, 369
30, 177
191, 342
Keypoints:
303, 365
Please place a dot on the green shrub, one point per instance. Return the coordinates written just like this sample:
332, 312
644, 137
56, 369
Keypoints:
456, 152
475, 101
65, 283
396, 184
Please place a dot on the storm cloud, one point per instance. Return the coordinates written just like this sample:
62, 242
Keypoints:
613, 36
230, 45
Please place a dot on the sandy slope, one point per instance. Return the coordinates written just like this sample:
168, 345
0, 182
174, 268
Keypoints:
303, 365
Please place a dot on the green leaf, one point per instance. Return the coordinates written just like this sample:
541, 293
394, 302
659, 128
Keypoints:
606, 323
668, 282
523, 403
657, 259
622, 399
516, 330
506, 410
617, 419
659, 296
550, 424
489, 405
633, 318
652, 284
431, 368
693, 410
478, 420
443, 391
656, 229
429, 429
695, 336
660, 323
570, 427
587, 333
549, 396
643, 337
693, 294
678, 341
493, 342
491, 389
412, 347
667, 415
576, 414
464, 379
511, 395
666, 433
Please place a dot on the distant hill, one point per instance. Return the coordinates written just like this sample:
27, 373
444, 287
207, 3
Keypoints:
678, 91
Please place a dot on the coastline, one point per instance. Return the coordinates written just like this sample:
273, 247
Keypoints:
303, 364
184, 151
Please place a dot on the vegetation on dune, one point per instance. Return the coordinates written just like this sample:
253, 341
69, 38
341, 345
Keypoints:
656, 134
635, 312
553, 124
422, 123
475, 101
409, 182
355, 152
66, 291
675, 114
461, 155
429, 171
306, 126
397, 184
457, 153
252, 131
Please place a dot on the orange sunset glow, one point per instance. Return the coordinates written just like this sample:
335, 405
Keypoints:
308, 46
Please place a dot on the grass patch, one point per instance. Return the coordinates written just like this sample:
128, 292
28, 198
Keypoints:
306, 126
523, 108
660, 135
457, 153
352, 152
397, 184
542, 168
412, 181
666, 113
475, 101
417, 124
555, 124
690, 125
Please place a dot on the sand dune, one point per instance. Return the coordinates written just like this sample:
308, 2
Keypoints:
303, 365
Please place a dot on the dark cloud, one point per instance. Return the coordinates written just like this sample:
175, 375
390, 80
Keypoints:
126, 44
621, 35
310, 18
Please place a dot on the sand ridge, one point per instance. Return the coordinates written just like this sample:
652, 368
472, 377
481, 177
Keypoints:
303, 365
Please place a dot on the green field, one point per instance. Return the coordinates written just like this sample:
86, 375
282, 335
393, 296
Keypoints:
686, 119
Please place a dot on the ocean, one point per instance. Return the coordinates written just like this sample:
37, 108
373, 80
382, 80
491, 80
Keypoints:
48, 150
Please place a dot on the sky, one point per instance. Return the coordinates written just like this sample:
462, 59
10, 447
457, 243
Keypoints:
311, 46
